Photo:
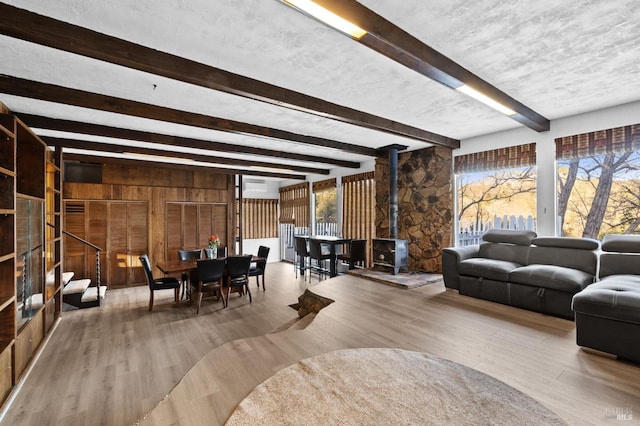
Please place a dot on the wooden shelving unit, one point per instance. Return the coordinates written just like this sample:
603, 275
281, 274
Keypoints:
53, 237
30, 246
7, 252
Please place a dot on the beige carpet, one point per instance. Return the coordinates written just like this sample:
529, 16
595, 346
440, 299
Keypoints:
389, 387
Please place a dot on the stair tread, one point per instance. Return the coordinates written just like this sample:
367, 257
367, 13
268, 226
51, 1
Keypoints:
66, 277
76, 286
90, 293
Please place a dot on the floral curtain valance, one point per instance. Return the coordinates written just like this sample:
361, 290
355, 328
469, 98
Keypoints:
619, 139
496, 159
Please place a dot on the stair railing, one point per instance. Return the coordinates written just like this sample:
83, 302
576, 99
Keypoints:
98, 250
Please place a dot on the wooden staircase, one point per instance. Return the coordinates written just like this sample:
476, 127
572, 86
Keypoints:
79, 293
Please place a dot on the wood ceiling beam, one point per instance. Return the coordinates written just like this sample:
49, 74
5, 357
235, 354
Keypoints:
96, 159
29, 26
393, 42
53, 93
121, 149
41, 122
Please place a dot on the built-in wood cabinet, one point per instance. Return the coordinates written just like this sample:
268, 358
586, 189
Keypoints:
30, 252
189, 225
7, 252
53, 237
119, 228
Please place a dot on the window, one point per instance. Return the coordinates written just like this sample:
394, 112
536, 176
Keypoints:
325, 196
599, 182
495, 189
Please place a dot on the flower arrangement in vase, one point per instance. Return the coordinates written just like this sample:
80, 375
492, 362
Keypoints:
212, 251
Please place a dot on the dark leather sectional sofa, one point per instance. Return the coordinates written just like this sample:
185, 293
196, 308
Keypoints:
520, 269
573, 278
607, 313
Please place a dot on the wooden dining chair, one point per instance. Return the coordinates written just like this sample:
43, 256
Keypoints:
257, 268
238, 275
164, 283
210, 275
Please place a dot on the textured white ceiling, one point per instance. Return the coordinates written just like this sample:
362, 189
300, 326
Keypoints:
558, 58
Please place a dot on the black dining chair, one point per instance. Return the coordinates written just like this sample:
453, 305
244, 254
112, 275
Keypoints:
257, 268
238, 275
222, 252
357, 253
301, 260
210, 275
164, 283
188, 254
317, 257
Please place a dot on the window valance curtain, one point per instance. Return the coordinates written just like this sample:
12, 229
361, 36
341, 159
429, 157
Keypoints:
619, 139
294, 204
496, 159
259, 218
323, 185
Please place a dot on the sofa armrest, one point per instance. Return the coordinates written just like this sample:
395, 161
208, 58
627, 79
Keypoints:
451, 258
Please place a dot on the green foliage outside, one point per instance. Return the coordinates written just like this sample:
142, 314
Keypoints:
327, 206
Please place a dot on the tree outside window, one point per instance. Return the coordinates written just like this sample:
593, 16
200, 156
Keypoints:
326, 202
599, 195
495, 199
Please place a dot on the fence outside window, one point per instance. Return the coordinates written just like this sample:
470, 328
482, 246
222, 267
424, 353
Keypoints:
473, 233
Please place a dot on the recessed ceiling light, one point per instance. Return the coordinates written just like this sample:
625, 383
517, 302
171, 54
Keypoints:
469, 91
327, 17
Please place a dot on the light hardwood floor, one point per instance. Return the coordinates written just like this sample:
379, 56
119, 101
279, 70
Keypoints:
115, 365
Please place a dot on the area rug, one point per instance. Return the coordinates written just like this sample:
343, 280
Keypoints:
407, 280
386, 387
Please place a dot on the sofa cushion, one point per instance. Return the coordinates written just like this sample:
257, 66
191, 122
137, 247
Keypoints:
488, 268
619, 263
567, 242
506, 252
508, 236
574, 258
623, 278
552, 277
613, 298
621, 243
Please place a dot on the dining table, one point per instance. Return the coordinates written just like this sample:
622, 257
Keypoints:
177, 266
332, 241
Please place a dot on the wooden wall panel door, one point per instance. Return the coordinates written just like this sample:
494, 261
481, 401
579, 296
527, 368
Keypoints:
119, 228
190, 226
220, 221
116, 274
205, 225
97, 224
194, 223
138, 244
173, 232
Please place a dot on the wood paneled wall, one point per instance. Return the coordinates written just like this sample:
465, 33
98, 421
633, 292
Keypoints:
157, 186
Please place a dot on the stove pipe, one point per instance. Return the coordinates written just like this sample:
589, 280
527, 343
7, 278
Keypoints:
392, 152
393, 192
